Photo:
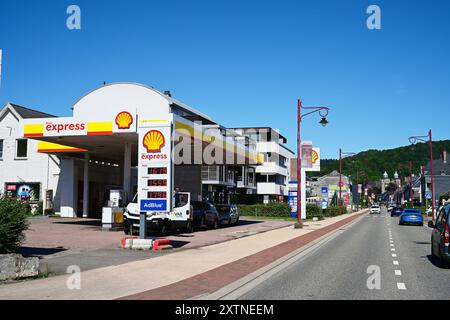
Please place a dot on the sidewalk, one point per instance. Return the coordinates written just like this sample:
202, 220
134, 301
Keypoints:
190, 272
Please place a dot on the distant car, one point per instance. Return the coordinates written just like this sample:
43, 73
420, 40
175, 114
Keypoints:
396, 212
375, 209
390, 207
411, 216
440, 236
228, 214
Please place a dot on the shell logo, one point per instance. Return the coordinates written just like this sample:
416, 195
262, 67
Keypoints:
314, 156
153, 141
124, 120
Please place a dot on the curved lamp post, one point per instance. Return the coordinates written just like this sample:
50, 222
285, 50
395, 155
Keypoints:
323, 112
413, 140
345, 154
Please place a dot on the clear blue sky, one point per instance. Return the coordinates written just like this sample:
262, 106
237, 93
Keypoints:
245, 63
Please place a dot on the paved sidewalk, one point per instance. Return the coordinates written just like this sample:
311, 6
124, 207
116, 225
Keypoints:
137, 279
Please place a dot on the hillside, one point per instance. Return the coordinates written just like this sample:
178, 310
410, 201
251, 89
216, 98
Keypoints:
374, 162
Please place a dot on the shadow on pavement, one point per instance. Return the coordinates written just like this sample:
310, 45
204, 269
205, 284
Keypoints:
435, 261
38, 252
96, 223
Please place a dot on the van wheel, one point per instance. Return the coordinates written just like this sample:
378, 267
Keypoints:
189, 227
164, 229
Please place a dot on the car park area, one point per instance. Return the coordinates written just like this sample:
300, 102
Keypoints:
62, 242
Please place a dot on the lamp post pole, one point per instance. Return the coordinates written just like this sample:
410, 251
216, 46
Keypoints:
299, 161
413, 140
410, 185
323, 112
340, 180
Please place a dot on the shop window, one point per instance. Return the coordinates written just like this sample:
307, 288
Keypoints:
21, 148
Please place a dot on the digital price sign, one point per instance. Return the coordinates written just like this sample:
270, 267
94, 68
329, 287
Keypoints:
157, 182
157, 170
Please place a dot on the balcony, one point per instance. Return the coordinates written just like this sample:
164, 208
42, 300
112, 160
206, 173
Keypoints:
271, 168
271, 188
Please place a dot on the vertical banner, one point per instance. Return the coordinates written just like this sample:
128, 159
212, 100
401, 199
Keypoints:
306, 157
155, 166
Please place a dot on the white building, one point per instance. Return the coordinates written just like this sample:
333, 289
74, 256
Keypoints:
272, 175
22, 168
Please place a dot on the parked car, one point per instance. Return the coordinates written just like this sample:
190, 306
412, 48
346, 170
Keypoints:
440, 242
205, 213
228, 214
375, 209
390, 207
396, 212
411, 216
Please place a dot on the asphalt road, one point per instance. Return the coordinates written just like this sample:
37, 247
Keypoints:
338, 268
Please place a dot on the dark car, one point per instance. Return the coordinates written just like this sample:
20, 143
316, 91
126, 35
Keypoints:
205, 213
396, 212
411, 216
440, 235
228, 214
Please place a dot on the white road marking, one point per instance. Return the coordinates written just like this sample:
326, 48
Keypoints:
392, 249
398, 272
392, 244
395, 262
394, 255
401, 286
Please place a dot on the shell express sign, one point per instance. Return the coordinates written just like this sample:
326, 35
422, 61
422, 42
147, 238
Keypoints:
155, 167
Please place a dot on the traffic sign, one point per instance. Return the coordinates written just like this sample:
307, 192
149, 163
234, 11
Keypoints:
428, 195
324, 204
324, 190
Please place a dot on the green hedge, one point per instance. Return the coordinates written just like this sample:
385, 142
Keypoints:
283, 210
313, 211
13, 222
268, 210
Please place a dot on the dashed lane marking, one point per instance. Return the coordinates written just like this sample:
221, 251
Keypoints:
398, 272
401, 286
395, 262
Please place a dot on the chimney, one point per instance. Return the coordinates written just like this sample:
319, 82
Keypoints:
444, 156
167, 93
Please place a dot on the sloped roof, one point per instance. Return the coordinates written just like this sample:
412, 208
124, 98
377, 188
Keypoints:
27, 113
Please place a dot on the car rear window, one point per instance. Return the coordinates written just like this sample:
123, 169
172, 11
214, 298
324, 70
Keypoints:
412, 211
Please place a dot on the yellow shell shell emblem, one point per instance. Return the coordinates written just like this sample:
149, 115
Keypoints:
124, 120
314, 156
154, 141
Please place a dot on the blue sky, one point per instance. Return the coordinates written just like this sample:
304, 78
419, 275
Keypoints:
245, 63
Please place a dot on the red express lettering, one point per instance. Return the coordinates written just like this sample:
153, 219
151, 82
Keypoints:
153, 156
66, 126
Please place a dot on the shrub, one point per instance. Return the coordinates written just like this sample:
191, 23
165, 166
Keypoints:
270, 210
13, 222
334, 211
313, 211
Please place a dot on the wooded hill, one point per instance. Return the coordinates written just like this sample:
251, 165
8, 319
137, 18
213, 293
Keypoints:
373, 163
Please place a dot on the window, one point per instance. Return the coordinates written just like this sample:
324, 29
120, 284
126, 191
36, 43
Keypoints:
1, 148
21, 148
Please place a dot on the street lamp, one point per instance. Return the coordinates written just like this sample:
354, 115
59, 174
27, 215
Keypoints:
323, 112
346, 154
413, 140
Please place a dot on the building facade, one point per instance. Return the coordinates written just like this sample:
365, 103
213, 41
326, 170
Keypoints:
24, 172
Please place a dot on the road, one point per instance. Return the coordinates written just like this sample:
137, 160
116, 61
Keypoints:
338, 267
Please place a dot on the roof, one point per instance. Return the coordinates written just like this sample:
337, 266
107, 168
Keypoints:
27, 113
439, 167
